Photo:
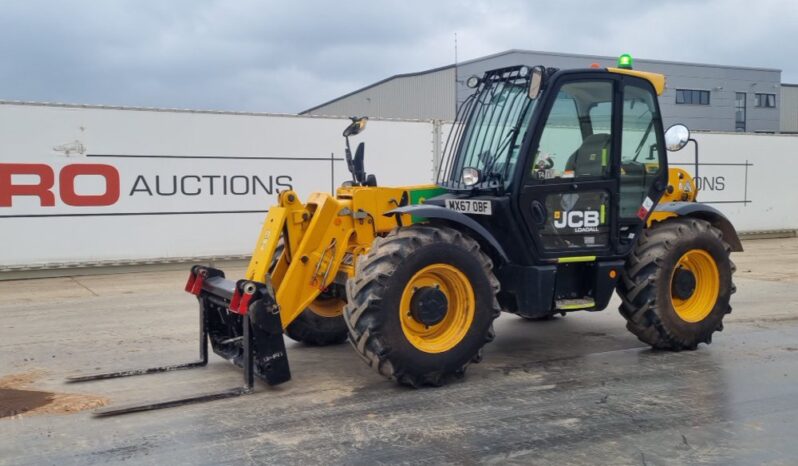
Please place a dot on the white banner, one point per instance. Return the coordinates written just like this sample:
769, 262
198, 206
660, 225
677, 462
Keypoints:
751, 178
84, 185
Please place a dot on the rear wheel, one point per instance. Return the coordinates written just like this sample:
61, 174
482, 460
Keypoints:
322, 323
676, 285
422, 304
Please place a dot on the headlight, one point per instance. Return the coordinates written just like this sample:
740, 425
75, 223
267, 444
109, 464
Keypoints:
472, 82
470, 176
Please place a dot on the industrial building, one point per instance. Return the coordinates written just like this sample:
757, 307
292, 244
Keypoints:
789, 108
702, 96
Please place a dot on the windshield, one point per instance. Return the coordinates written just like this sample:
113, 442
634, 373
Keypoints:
489, 130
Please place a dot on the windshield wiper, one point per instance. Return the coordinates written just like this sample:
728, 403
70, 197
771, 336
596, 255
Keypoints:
509, 137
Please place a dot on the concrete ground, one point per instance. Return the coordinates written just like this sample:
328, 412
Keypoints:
579, 389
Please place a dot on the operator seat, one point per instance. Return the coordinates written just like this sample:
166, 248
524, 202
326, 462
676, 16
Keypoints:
586, 161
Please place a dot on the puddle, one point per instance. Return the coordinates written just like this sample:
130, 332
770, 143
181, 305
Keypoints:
16, 399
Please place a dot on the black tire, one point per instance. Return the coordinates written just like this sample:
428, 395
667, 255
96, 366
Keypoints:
645, 284
372, 313
311, 328
314, 329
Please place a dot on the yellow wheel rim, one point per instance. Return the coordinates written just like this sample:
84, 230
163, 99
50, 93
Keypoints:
327, 307
707, 288
460, 310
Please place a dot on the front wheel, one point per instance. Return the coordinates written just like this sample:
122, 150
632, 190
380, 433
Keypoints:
676, 285
422, 304
321, 323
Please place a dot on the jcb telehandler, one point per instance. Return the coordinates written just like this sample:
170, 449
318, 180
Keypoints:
553, 191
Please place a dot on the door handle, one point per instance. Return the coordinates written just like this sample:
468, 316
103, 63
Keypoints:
538, 213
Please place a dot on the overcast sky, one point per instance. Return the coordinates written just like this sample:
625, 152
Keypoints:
286, 56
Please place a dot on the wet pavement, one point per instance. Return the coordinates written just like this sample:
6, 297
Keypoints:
578, 389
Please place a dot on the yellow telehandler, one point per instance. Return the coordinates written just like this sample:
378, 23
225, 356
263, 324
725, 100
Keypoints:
553, 192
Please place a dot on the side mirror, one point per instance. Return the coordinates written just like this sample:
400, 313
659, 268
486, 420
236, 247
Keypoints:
676, 137
357, 126
536, 82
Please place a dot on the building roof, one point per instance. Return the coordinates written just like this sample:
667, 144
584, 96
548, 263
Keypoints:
391, 78
538, 52
647, 60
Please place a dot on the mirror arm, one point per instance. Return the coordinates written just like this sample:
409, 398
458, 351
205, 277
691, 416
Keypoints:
349, 164
696, 155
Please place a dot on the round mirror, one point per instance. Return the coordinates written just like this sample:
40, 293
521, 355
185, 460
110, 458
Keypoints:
676, 137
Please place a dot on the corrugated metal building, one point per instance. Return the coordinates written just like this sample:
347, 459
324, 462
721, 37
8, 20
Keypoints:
702, 96
427, 95
789, 108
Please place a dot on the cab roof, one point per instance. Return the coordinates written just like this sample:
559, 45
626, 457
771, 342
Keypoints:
657, 80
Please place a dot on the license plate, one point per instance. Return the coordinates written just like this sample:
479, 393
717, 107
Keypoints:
469, 206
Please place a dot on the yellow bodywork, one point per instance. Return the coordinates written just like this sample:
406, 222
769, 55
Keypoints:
657, 80
323, 239
681, 188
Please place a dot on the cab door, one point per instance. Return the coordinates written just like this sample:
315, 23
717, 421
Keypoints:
643, 173
596, 168
571, 185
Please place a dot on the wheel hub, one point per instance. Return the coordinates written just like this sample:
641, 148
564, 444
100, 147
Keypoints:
683, 284
428, 305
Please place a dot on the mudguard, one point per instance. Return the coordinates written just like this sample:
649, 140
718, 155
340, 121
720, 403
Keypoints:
708, 213
429, 211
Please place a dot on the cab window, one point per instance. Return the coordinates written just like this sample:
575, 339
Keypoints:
576, 138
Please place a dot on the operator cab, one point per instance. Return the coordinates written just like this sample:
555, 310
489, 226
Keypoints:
567, 165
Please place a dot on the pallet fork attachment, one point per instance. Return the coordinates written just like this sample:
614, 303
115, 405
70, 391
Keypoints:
241, 320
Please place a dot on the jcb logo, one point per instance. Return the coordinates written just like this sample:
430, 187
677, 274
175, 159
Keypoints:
577, 219
45, 180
